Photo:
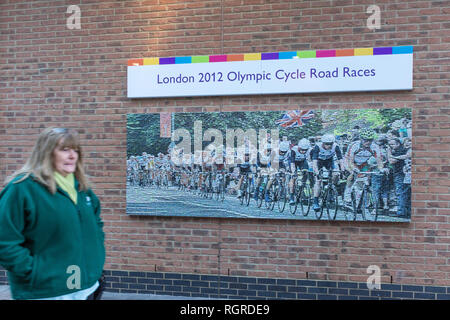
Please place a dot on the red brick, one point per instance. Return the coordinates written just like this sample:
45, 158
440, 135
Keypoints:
77, 78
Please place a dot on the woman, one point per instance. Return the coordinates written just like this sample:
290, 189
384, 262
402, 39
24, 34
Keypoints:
51, 237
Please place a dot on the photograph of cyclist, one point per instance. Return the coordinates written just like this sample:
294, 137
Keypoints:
343, 165
300, 159
323, 156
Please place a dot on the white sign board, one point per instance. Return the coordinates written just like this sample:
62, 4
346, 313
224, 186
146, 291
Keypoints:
279, 73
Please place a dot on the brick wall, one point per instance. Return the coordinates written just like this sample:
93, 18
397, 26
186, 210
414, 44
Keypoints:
51, 75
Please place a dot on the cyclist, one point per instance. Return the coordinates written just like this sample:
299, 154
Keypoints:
323, 157
160, 165
245, 167
133, 166
207, 167
143, 167
283, 163
263, 167
159, 161
151, 166
218, 159
299, 161
170, 169
363, 155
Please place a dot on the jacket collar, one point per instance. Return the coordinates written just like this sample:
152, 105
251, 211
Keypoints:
77, 184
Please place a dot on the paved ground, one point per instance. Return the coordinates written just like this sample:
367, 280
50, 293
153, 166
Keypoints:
171, 202
6, 295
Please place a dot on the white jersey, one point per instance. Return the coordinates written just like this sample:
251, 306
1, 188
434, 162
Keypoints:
297, 156
361, 155
325, 154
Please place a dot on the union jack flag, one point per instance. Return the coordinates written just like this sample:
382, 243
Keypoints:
295, 118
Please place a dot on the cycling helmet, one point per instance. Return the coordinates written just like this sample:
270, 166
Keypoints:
327, 138
284, 146
367, 134
304, 144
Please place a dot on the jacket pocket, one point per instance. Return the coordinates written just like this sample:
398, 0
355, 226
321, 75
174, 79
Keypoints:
34, 270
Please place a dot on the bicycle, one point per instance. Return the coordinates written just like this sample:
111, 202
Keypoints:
276, 193
205, 187
247, 187
302, 193
362, 199
262, 190
282, 190
219, 186
134, 178
146, 181
176, 174
328, 197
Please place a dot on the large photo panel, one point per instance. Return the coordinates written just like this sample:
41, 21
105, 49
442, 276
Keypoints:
304, 164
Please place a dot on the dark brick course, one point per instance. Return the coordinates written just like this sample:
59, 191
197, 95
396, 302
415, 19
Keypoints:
231, 287
226, 287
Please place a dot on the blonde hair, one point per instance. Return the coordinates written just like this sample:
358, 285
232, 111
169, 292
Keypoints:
40, 163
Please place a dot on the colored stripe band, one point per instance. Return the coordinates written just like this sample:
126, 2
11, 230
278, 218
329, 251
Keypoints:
269, 56
306, 54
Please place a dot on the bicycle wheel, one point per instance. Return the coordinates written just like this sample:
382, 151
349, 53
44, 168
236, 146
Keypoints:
378, 209
179, 184
272, 192
261, 193
368, 206
297, 199
319, 212
331, 203
305, 199
281, 197
244, 189
248, 192
354, 206
221, 191
361, 206
215, 190
209, 191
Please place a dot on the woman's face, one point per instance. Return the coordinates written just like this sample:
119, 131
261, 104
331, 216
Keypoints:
65, 159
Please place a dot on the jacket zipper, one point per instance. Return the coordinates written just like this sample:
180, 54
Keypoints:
83, 267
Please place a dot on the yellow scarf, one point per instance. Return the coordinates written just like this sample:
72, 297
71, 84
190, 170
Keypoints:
67, 183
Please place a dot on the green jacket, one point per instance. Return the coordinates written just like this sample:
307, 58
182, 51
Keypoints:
49, 245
